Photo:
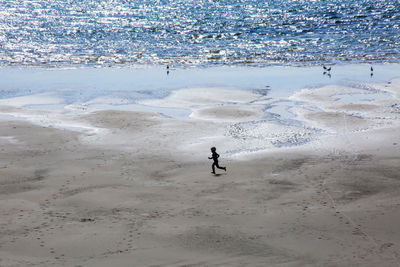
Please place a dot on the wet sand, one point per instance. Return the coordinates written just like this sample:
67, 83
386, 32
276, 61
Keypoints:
126, 188
132, 197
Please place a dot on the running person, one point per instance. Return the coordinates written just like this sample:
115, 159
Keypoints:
215, 157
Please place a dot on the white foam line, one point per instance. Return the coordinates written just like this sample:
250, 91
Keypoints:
38, 99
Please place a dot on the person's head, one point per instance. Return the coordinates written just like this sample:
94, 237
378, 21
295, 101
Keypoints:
213, 149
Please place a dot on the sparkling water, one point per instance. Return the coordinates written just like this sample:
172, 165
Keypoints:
197, 33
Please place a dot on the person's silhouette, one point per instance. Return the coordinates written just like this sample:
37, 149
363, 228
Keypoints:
215, 157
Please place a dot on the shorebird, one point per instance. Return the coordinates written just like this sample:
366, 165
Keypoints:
327, 69
372, 69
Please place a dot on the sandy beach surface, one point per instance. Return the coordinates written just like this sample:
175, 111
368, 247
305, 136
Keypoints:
133, 188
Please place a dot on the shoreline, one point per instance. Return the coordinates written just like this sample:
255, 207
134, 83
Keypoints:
267, 108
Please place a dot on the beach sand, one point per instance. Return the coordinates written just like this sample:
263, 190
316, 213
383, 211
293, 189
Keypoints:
124, 188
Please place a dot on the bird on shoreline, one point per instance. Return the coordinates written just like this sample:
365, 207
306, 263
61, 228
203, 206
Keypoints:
327, 71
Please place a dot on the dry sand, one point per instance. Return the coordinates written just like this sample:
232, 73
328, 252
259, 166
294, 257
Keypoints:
136, 190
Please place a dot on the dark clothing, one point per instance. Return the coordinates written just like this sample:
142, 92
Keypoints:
216, 164
215, 157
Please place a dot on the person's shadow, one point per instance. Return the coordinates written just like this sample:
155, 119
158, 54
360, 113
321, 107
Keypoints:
218, 174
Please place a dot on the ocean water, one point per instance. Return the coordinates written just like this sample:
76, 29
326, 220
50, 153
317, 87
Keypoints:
59, 33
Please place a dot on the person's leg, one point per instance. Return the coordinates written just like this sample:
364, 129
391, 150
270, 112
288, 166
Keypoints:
213, 168
222, 168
